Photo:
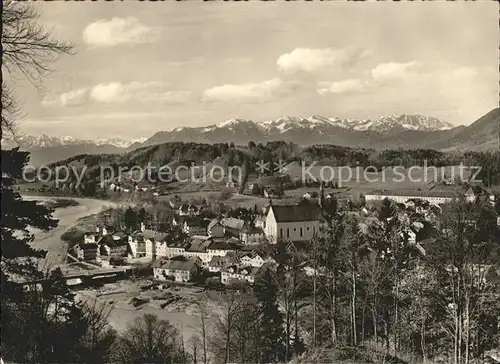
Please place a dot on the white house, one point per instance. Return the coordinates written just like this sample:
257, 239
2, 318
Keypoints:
188, 210
180, 269
235, 273
292, 222
436, 197
252, 260
200, 246
143, 243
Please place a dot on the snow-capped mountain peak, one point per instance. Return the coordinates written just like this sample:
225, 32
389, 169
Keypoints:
45, 141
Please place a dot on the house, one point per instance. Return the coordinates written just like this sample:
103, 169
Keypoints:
142, 243
292, 222
86, 252
437, 197
116, 245
179, 269
236, 273
218, 262
169, 250
260, 221
221, 247
202, 247
91, 237
232, 226
251, 235
195, 226
215, 229
252, 260
188, 210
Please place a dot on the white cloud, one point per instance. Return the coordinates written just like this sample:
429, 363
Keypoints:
117, 92
396, 71
260, 91
137, 91
116, 31
313, 59
340, 87
74, 97
429, 75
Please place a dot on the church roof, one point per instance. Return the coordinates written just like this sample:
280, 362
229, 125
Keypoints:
296, 213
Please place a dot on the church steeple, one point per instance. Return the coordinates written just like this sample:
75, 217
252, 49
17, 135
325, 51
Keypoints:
321, 201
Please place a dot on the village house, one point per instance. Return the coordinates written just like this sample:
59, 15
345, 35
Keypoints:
232, 226
251, 235
166, 249
188, 210
142, 243
292, 222
116, 245
195, 225
437, 197
179, 269
236, 273
260, 220
252, 260
202, 247
87, 251
215, 229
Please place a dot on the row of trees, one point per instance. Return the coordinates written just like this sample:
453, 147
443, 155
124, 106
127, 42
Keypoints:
374, 287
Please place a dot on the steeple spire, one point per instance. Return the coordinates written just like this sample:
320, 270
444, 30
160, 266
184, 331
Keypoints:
321, 195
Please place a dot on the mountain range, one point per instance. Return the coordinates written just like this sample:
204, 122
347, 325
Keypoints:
389, 132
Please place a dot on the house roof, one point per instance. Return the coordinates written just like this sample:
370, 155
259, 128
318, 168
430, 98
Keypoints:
89, 246
250, 271
213, 223
154, 235
296, 213
218, 261
196, 221
232, 223
221, 245
252, 230
198, 245
109, 241
177, 264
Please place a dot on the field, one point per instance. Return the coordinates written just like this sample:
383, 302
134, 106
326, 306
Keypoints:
177, 304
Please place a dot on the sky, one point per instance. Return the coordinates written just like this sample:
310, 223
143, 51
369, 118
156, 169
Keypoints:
141, 67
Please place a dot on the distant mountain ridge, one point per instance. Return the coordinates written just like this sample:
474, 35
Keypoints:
390, 132
45, 141
285, 123
313, 129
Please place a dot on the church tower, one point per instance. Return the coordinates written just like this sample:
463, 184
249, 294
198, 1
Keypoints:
321, 201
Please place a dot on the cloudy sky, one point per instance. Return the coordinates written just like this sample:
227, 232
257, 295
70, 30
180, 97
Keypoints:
144, 67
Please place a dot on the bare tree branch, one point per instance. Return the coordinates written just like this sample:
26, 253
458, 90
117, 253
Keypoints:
28, 48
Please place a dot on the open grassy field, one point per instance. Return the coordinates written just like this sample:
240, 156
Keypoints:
361, 180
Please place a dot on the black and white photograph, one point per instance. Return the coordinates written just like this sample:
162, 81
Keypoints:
250, 182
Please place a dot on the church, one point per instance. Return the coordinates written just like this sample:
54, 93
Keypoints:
287, 223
